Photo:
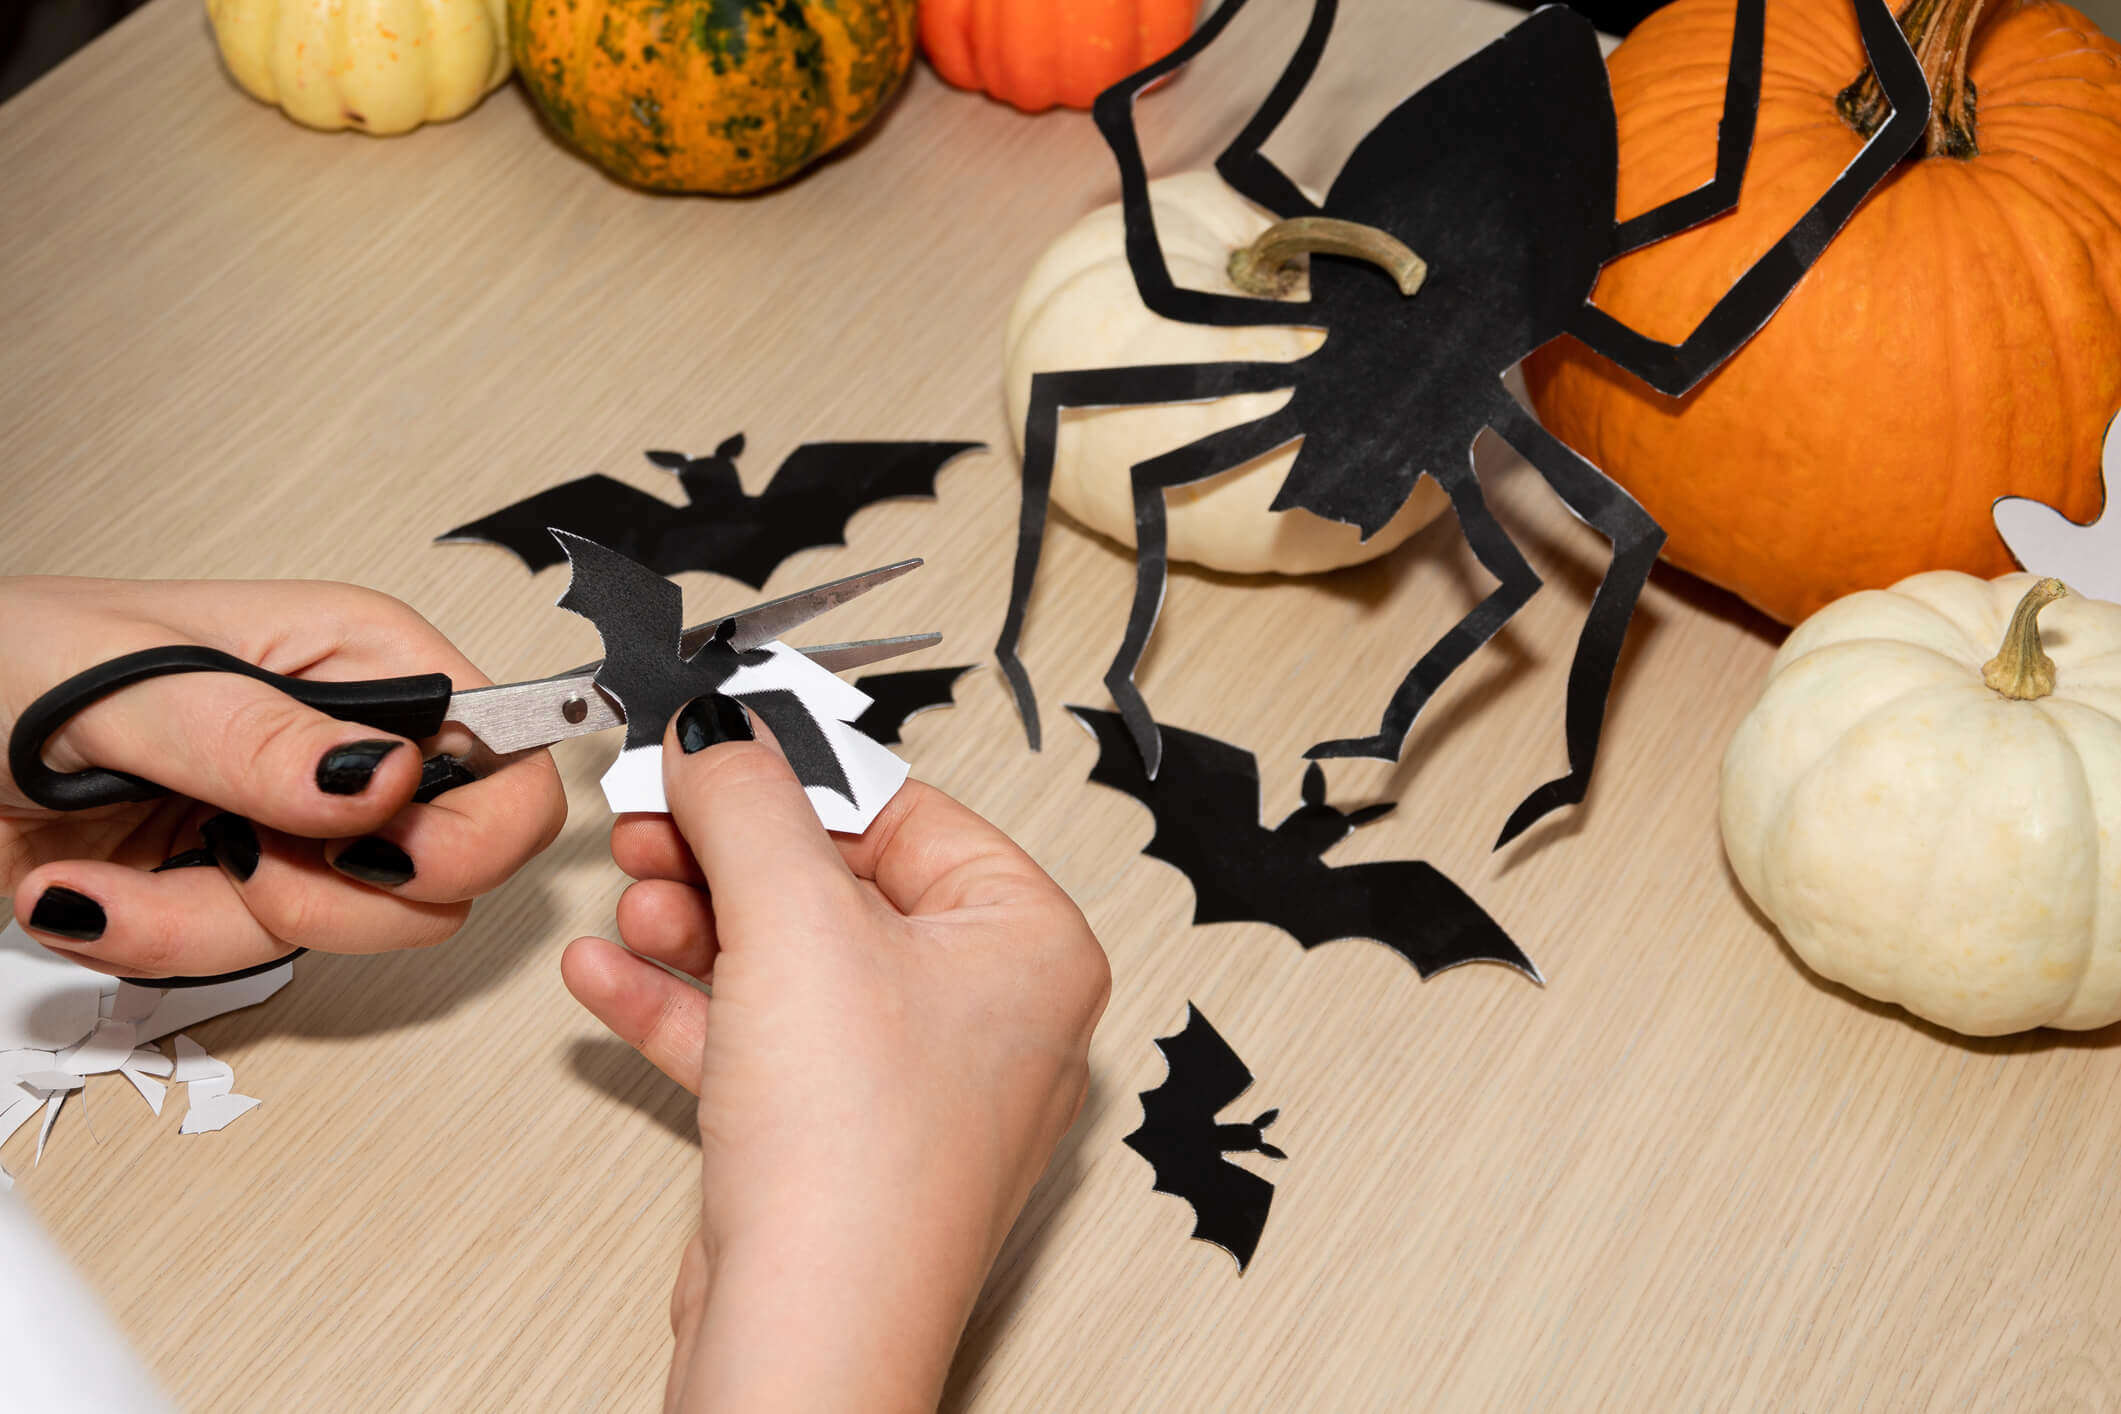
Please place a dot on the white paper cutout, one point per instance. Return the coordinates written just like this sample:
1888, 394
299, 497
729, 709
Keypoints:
207, 1086
635, 780
60, 1023
2085, 557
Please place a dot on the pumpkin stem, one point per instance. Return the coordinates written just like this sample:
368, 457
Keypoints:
2022, 670
1941, 33
1267, 267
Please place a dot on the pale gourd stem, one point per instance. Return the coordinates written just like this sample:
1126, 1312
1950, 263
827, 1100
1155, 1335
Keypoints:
2022, 669
1267, 266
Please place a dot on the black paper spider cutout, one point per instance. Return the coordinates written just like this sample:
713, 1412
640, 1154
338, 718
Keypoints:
1501, 175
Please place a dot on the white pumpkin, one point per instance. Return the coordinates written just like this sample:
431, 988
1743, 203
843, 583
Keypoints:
1924, 837
382, 66
1080, 309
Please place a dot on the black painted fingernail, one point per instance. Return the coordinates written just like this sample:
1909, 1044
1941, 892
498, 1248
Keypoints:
345, 770
65, 914
374, 860
234, 844
440, 773
704, 721
187, 859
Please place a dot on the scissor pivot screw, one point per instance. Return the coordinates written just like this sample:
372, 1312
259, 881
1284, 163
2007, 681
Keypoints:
574, 709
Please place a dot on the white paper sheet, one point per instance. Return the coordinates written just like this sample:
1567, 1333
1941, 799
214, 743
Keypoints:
60, 1023
2087, 558
635, 780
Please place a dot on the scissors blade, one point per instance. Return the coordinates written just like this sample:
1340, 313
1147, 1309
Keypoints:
763, 623
520, 715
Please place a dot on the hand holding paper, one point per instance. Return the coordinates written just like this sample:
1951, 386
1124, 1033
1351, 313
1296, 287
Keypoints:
900, 1021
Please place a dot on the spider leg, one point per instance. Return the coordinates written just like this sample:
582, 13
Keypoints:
1250, 172
1516, 582
1636, 541
1094, 387
1734, 143
1114, 114
1675, 368
1216, 452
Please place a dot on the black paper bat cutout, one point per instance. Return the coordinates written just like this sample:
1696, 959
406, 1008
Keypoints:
1183, 1143
720, 529
901, 697
1206, 804
640, 617
1501, 175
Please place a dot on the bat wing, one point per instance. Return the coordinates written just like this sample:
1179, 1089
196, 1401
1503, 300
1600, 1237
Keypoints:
1178, 1136
640, 617
802, 740
1205, 800
821, 485
594, 507
1408, 905
899, 697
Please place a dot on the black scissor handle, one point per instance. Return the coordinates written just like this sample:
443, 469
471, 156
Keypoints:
409, 706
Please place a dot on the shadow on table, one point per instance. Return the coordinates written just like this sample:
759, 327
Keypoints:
619, 1071
345, 994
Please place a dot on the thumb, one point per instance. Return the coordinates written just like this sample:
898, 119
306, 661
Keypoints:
751, 826
248, 748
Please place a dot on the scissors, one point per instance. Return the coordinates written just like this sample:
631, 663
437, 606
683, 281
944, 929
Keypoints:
508, 718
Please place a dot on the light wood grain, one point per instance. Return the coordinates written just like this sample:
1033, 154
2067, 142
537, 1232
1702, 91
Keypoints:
1683, 1175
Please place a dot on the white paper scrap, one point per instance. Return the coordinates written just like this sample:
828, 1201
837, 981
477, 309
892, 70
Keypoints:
207, 1086
874, 774
104, 1049
51, 1113
2087, 558
151, 1091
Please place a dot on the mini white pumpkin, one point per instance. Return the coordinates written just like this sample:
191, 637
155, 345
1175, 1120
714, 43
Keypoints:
1080, 309
382, 66
1932, 822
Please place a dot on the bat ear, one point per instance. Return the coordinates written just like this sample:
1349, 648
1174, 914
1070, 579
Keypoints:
1266, 1118
731, 449
1314, 785
669, 461
1270, 1151
1368, 813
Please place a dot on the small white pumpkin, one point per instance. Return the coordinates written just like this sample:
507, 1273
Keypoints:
1935, 823
382, 66
1080, 309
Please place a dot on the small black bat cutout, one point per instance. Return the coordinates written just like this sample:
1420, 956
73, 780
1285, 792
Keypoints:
640, 617
899, 697
720, 529
1206, 804
1184, 1144
1502, 176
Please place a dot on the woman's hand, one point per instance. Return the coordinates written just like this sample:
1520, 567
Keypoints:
312, 822
896, 1041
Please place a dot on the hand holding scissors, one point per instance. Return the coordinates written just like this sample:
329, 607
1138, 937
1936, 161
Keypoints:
329, 827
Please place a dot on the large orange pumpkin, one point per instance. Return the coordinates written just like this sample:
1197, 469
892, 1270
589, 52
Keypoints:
720, 96
1960, 339
1036, 53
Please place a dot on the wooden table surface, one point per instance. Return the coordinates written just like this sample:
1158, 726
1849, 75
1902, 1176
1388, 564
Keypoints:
1682, 1175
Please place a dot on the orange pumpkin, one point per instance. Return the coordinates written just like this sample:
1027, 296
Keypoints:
1036, 53
1960, 340
709, 95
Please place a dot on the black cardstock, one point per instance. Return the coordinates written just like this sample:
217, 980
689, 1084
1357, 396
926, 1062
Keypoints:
1501, 174
1184, 1144
720, 529
639, 615
1206, 805
900, 697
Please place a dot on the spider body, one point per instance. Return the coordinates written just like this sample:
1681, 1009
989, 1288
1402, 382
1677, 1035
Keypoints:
1502, 176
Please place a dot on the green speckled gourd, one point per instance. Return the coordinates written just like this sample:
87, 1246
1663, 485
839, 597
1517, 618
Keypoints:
723, 96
